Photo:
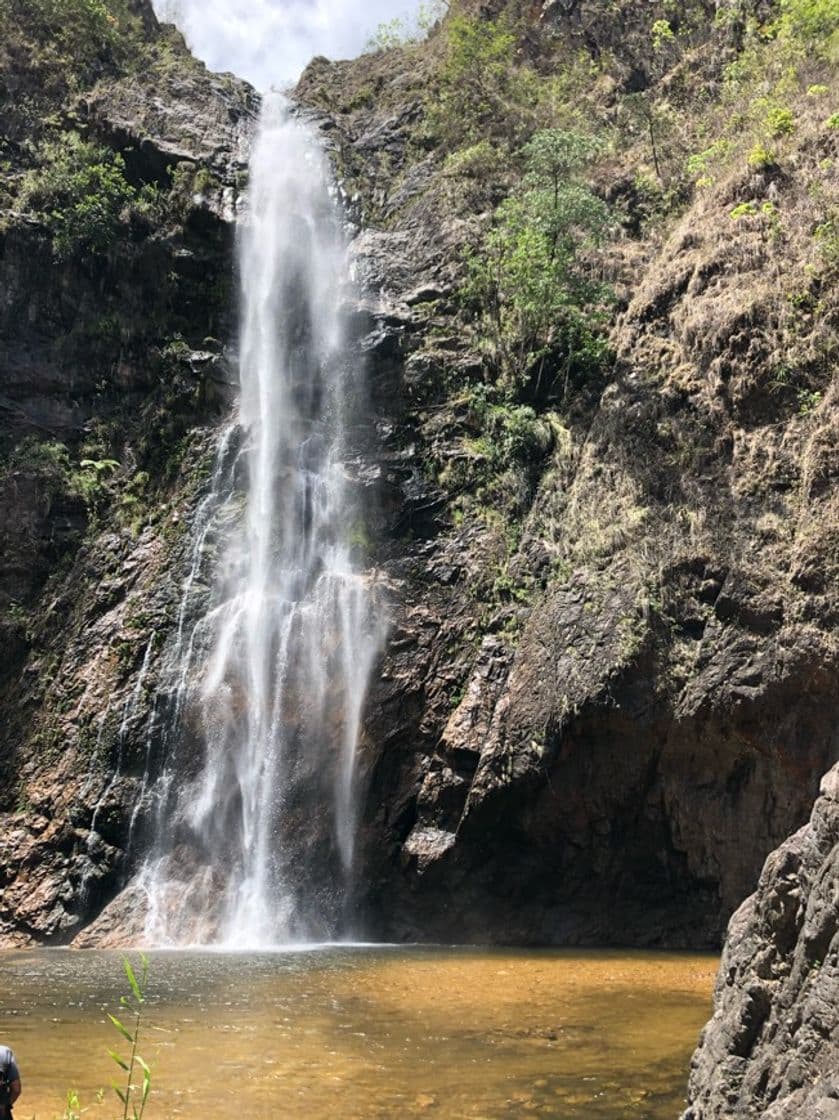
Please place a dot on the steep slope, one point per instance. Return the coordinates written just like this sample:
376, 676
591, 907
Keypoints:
611, 548
123, 158
771, 1049
612, 684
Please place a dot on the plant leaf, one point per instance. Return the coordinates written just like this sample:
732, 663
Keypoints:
132, 979
119, 1061
123, 1030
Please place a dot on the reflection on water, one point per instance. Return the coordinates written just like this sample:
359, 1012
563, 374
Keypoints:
367, 1032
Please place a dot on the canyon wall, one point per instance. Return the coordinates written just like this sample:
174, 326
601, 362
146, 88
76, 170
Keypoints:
771, 1049
610, 686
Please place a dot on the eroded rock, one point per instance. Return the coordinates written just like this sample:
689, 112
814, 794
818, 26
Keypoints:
772, 1047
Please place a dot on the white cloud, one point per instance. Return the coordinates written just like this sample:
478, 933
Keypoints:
270, 41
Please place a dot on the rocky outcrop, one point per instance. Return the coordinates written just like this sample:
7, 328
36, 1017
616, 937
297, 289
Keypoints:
115, 373
610, 683
595, 720
772, 1048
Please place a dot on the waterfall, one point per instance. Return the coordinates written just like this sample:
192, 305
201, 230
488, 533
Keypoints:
257, 801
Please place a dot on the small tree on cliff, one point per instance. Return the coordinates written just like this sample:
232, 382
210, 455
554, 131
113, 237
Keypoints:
483, 93
541, 311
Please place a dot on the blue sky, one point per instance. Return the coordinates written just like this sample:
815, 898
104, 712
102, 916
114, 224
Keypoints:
270, 41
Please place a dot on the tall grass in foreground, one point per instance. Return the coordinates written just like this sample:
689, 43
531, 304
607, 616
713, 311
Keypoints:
133, 1094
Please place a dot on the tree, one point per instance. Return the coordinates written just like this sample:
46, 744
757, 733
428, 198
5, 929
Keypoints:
483, 92
541, 311
79, 192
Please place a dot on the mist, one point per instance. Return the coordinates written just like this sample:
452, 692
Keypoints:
269, 42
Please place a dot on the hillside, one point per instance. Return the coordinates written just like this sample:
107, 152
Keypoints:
598, 257
610, 688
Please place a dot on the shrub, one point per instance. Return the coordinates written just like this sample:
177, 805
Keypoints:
827, 238
399, 31
79, 192
762, 159
474, 162
389, 34
699, 165
483, 93
511, 433
809, 19
534, 297
808, 401
662, 33
780, 122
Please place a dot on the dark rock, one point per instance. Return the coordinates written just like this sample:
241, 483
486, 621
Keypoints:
772, 1047
611, 680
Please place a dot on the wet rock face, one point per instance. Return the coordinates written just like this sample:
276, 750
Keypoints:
83, 339
601, 704
568, 798
772, 1048
603, 744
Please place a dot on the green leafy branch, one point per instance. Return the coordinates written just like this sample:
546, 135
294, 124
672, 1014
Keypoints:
537, 304
133, 1097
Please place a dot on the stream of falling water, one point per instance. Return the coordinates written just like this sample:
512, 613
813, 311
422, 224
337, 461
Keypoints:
257, 847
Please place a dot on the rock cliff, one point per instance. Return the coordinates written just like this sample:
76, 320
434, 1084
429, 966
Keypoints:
115, 371
610, 683
610, 686
771, 1049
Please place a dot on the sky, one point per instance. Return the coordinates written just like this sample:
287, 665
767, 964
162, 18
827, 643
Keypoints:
270, 41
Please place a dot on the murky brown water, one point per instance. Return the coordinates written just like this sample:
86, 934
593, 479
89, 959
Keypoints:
367, 1032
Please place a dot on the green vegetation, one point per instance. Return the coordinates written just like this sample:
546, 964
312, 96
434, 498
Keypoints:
400, 32
559, 149
510, 434
702, 166
813, 22
80, 193
188, 182
762, 158
780, 121
477, 161
827, 238
91, 479
64, 46
133, 1094
133, 1097
535, 301
38, 457
662, 33
50, 462
46, 460
482, 94
84, 36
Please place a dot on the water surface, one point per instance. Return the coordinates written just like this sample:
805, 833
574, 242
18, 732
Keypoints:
367, 1032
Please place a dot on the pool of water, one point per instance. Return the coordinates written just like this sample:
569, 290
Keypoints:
365, 1032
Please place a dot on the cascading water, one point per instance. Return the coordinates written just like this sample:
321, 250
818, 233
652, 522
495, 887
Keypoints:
271, 679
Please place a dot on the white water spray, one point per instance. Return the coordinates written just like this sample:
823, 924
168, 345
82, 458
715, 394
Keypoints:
275, 673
